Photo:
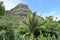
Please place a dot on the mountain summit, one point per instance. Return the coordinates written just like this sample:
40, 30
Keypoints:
20, 10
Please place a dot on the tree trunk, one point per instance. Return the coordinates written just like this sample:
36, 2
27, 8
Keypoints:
32, 36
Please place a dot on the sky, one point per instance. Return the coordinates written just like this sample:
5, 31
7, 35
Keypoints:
42, 7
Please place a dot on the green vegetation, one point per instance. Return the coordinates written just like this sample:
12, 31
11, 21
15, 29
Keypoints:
2, 9
32, 27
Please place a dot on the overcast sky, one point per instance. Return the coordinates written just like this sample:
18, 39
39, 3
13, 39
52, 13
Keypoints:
43, 7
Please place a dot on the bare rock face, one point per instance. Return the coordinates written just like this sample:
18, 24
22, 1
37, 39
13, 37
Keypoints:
20, 10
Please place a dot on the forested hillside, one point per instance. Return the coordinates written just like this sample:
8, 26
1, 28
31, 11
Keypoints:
20, 23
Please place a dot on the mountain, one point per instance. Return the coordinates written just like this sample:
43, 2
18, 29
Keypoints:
20, 10
13, 17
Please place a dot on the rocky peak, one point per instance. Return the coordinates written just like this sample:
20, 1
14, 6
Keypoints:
20, 10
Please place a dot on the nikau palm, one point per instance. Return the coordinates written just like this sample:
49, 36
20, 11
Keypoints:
32, 24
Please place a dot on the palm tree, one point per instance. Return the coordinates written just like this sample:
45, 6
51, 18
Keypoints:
32, 23
49, 18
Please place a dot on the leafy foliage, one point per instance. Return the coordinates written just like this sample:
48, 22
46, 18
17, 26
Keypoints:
2, 9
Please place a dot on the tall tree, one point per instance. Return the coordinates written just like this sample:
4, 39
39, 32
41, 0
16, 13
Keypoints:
2, 9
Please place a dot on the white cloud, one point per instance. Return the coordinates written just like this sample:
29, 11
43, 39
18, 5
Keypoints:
10, 3
53, 13
58, 17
